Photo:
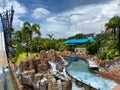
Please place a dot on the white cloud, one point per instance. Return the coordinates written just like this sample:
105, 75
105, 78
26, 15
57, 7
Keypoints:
39, 13
83, 19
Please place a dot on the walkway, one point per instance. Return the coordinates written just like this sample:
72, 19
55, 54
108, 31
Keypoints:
92, 64
3, 57
6, 82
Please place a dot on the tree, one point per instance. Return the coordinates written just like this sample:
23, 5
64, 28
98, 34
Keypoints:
114, 25
30, 29
50, 37
18, 36
92, 48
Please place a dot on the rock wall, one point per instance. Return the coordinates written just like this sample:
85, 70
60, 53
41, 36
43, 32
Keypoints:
111, 67
37, 74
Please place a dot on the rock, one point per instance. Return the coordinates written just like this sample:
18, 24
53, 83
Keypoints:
52, 85
38, 76
48, 76
52, 55
31, 63
25, 65
42, 55
44, 84
42, 67
59, 67
67, 85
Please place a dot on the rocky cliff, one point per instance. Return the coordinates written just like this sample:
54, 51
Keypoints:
43, 73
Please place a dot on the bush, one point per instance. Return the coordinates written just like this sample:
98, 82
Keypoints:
20, 49
102, 54
112, 53
92, 48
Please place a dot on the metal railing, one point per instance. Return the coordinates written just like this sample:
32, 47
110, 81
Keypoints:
4, 79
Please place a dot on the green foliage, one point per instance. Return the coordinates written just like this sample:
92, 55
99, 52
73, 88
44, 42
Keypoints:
92, 48
102, 54
112, 53
19, 58
62, 47
20, 49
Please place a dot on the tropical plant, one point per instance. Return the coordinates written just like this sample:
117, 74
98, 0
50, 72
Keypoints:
114, 25
92, 48
51, 40
30, 29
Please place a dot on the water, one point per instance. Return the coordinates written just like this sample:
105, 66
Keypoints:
79, 69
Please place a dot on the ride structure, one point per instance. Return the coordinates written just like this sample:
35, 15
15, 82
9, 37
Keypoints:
7, 19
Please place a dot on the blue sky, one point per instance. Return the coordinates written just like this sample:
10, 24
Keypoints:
63, 18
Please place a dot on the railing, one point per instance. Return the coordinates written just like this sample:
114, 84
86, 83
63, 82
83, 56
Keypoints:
4, 79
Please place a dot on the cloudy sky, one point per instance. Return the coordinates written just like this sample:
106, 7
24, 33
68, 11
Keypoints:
63, 18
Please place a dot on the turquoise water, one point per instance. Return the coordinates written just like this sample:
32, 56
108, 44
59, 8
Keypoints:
79, 69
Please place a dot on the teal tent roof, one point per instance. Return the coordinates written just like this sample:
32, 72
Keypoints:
79, 41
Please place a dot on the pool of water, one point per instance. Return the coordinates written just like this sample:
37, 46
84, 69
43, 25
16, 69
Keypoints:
79, 69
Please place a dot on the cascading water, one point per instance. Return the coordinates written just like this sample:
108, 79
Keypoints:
53, 67
65, 63
74, 86
79, 69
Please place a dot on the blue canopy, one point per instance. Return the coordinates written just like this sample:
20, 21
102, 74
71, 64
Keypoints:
79, 41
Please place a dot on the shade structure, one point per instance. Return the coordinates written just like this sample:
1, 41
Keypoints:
79, 41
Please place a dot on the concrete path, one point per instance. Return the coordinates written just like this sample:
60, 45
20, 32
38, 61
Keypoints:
3, 57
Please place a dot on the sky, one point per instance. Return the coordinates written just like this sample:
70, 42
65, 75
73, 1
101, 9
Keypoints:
63, 18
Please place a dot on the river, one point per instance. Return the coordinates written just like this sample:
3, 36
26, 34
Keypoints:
79, 69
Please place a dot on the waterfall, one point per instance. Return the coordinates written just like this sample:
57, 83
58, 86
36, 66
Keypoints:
64, 72
53, 65
65, 63
59, 84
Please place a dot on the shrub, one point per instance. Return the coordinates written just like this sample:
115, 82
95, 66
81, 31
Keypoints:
92, 48
112, 53
102, 54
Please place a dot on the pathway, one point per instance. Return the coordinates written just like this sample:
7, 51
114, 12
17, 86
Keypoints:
3, 57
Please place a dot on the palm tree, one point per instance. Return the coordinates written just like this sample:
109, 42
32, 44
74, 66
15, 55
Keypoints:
30, 29
50, 37
18, 36
114, 25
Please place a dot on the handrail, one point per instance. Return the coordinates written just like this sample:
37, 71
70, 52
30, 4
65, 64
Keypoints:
4, 79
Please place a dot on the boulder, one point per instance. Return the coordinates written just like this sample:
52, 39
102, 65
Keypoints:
25, 65
42, 67
31, 63
42, 55
59, 67
38, 76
